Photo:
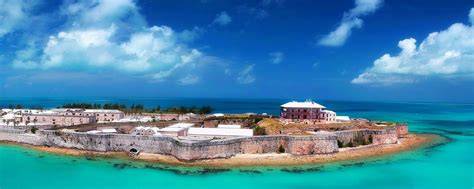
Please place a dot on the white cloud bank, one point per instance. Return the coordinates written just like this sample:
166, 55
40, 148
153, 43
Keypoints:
222, 19
350, 21
112, 34
13, 13
448, 53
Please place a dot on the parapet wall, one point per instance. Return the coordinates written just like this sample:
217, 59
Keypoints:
20, 136
319, 143
351, 138
303, 145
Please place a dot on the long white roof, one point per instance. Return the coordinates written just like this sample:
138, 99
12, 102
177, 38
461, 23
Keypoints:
220, 131
102, 111
181, 125
328, 111
307, 104
223, 126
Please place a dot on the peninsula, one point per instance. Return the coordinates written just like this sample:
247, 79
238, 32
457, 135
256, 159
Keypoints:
304, 132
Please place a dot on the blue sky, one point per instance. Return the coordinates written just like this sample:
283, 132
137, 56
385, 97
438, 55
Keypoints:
351, 50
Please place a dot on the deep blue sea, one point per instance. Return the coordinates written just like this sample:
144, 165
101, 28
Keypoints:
450, 165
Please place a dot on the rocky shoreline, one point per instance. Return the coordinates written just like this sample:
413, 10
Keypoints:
407, 143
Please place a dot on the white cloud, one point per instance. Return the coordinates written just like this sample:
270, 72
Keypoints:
222, 19
350, 21
276, 57
246, 76
101, 13
13, 14
98, 36
448, 53
189, 80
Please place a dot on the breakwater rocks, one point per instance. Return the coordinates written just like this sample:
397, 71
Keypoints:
319, 143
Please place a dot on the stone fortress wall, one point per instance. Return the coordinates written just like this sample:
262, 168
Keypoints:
319, 143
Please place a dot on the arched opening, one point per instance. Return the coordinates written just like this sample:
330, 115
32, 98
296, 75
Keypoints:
133, 150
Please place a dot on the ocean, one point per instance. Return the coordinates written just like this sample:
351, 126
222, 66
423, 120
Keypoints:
449, 165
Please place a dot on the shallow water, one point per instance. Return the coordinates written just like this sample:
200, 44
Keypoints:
446, 166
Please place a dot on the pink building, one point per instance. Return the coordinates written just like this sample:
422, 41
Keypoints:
105, 115
308, 111
56, 119
101, 115
62, 117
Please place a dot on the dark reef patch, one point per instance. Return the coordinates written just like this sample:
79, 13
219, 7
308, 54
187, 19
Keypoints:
356, 164
122, 165
203, 171
450, 132
301, 170
250, 171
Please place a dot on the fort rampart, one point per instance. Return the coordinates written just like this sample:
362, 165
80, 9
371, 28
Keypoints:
319, 143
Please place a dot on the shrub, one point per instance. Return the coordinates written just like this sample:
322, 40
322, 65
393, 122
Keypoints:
259, 130
258, 119
340, 144
33, 130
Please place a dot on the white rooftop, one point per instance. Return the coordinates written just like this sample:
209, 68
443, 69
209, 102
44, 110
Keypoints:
228, 126
218, 114
181, 125
108, 130
343, 118
328, 111
220, 132
177, 127
173, 129
101, 111
307, 104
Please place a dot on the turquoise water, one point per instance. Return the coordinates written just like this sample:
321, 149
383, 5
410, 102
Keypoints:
450, 165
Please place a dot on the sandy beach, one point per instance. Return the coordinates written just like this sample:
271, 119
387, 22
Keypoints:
410, 142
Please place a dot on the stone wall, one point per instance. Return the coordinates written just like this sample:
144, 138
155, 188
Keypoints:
387, 136
20, 136
351, 138
303, 145
320, 143
402, 130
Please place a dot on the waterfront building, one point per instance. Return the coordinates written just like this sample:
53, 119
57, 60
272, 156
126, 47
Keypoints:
307, 111
101, 115
59, 117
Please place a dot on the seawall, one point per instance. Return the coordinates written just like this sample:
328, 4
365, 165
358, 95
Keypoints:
320, 143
